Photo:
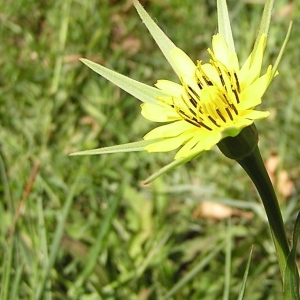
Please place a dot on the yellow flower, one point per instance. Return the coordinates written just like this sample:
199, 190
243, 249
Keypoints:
214, 100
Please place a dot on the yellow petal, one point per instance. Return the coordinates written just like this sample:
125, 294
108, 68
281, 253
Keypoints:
169, 87
168, 144
158, 113
252, 67
255, 114
212, 74
182, 64
169, 130
252, 94
202, 141
222, 53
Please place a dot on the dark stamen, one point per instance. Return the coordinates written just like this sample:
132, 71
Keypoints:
222, 80
236, 96
205, 126
237, 82
229, 113
200, 86
234, 109
220, 115
193, 102
192, 122
181, 112
214, 121
192, 112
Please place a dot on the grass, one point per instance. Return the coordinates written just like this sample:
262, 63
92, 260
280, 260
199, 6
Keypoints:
84, 228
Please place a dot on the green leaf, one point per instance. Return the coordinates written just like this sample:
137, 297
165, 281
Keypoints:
142, 91
224, 26
174, 164
129, 147
99, 244
193, 272
291, 275
242, 290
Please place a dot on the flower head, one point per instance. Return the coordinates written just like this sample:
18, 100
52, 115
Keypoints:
210, 102
213, 100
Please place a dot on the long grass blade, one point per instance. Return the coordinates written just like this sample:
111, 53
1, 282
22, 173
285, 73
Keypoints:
245, 277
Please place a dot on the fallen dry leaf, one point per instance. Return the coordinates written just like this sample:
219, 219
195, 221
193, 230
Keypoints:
218, 211
131, 45
280, 178
286, 11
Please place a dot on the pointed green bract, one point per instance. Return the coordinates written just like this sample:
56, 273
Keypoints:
264, 25
174, 164
141, 91
224, 26
266, 18
129, 147
278, 59
163, 42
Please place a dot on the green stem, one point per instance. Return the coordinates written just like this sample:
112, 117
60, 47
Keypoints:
255, 168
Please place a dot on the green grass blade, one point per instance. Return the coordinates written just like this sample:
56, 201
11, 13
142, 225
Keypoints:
227, 272
63, 33
9, 240
55, 246
7, 270
245, 277
44, 245
99, 244
193, 272
291, 275
15, 290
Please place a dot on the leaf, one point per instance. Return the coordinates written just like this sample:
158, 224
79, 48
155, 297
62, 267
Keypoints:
291, 275
242, 290
129, 147
213, 210
193, 272
139, 90
280, 178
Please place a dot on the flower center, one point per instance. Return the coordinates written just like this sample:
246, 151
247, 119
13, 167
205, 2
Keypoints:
210, 102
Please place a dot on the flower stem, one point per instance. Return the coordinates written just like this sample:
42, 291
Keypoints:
255, 168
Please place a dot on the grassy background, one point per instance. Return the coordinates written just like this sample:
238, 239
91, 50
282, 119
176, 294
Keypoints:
84, 227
